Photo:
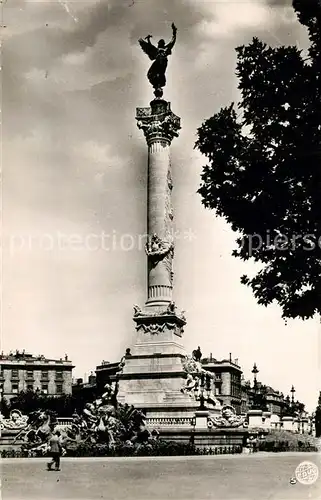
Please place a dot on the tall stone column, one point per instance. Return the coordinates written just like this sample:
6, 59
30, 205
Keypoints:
153, 376
160, 126
158, 321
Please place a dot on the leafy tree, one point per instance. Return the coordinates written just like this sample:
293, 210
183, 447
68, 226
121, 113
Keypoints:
131, 420
28, 402
64, 405
318, 418
263, 173
5, 407
299, 408
259, 400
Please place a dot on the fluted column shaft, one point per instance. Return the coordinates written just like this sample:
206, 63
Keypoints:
159, 271
160, 125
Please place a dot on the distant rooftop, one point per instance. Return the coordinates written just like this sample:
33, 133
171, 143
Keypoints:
214, 361
31, 358
104, 364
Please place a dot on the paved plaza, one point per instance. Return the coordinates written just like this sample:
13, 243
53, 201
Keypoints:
259, 476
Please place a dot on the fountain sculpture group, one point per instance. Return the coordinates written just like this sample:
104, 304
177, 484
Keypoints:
102, 422
199, 383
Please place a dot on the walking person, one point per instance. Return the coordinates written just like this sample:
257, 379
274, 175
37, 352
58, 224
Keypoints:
55, 450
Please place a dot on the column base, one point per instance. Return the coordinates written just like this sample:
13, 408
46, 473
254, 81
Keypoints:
159, 330
154, 375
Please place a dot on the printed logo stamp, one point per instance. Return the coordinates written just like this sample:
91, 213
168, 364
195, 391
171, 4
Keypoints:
307, 472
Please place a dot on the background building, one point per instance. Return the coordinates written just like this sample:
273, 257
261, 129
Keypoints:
227, 380
273, 400
21, 372
105, 373
270, 400
85, 390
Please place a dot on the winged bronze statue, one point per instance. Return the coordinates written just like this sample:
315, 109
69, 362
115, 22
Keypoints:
159, 54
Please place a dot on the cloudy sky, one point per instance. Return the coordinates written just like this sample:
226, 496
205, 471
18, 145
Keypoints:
74, 176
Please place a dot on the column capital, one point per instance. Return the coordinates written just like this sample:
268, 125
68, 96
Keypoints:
158, 122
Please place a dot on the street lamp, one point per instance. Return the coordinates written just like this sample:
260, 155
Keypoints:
255, 371
204, 385
292, 392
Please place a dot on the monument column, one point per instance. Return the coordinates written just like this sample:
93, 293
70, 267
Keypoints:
158, 323
160, 126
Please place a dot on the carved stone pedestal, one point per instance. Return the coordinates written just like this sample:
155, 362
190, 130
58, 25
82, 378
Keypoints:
266, 419
153, 376
255, 418
287, 423
201, 417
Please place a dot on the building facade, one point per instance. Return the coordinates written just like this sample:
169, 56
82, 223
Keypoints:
85, 390
275, 401
272, 400
22, 372
227, 381
105, 373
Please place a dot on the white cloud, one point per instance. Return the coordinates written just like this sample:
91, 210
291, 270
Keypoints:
230, 17
92, 151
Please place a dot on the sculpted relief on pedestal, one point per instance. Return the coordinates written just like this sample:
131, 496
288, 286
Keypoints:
227, 418
160, 319
15, 422
170, 310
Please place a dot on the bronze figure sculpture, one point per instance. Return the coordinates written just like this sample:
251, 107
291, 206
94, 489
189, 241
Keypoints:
159, 54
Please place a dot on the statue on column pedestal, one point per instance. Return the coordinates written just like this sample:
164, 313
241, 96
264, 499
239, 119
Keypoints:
159, 54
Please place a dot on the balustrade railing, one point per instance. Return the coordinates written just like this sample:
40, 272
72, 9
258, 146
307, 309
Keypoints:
65, 421
171, 421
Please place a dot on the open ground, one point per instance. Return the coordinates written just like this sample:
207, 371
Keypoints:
263, 476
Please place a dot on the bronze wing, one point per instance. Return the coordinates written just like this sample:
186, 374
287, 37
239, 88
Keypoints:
148, 48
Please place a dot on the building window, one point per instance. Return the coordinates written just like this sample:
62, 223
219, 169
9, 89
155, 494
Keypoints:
14, 389
29, 387
59, 388
59, 375
14, 374
29, 374
44, 375
44, 388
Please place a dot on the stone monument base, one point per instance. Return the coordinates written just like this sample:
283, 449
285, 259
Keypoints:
153, 376
154, 383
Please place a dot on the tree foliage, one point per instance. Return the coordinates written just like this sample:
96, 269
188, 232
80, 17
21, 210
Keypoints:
318, 418
5, 407
64, 405
264, 172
